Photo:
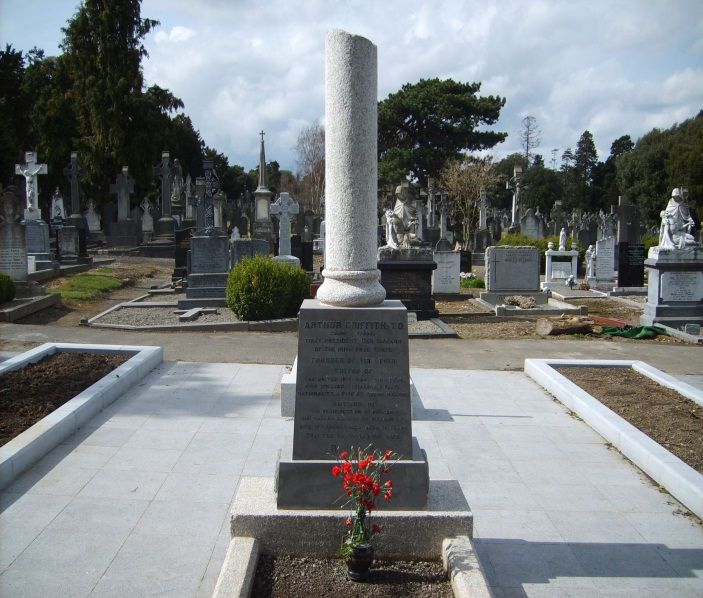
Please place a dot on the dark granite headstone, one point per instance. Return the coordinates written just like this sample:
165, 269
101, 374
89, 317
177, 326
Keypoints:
352, 390
209, 269
109, 213
241, 248
183, 236
306, 261
407, 275
630, 264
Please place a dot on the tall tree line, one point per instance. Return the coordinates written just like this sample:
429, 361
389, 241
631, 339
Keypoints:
91, 98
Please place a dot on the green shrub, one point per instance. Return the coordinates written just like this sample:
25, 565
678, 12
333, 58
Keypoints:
259, 288
471, 281
7, 288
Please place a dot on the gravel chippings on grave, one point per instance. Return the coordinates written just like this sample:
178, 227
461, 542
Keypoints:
291, 577
160, 316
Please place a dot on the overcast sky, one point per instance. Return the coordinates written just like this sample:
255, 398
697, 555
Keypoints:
612, 67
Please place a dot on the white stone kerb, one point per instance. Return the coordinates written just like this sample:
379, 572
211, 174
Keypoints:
350, 171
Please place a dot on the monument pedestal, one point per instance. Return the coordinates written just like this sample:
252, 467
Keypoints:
675, 287
352, 390
406, 274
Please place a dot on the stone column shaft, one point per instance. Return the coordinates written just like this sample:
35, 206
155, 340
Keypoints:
351, 273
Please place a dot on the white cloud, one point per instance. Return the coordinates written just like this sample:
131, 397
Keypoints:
612, 68
177, 34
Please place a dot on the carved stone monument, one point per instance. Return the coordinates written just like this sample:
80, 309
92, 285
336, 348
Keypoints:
74, 172
262, 200
285, 207
124, 232
675, 269
352, 384
209, 254
31, 171
13, 243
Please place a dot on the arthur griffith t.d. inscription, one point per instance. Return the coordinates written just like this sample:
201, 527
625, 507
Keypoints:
353, 385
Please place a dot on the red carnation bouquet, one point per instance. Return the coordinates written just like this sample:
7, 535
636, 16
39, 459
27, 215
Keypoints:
361, 472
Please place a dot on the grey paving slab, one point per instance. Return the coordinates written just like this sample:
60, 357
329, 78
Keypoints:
141, 495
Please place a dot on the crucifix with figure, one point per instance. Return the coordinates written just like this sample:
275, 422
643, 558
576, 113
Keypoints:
30, 172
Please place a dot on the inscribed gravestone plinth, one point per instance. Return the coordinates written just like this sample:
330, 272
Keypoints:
352, 389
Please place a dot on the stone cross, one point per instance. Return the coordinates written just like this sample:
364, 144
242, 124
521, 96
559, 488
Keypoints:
123, 187
482, 208
211, 186
30, 172
163, 171
74, 172
200, 204
431, 207
284, 207
516, 185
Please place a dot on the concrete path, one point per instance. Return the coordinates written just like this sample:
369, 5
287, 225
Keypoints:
137, 502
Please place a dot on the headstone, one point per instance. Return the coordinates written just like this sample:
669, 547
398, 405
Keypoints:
31, 171
147, 221
512, 269
68, 244
263, 228
177, 190
191, 199
92, 217
241, 248
352, 384
630, 265
39, 245
124, 232
182, 238
210, 188
165, 226
13, 242
445, 279
200, 206
58, 212
209, 269
515, 184
560, 264
605, 261
74, 172
532, 225
284, 207
109, 214
628, 222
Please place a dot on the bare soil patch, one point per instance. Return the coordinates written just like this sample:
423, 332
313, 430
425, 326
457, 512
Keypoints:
470, 320
663, 414
291, 577
29, 394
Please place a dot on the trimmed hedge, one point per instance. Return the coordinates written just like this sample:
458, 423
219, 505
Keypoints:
259, 288
7, 288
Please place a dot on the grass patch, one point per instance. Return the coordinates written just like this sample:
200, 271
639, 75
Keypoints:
86, 287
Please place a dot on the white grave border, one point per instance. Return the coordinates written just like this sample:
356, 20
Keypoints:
31, 445
680, 480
